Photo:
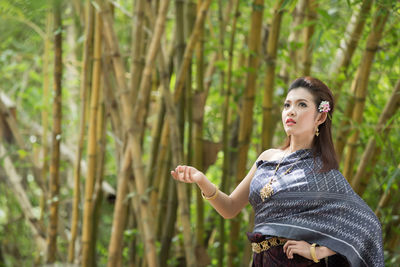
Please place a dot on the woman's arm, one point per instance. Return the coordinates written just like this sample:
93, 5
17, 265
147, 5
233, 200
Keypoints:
227, 206
302, 248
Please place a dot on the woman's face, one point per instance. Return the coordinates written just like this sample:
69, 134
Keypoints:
299, 115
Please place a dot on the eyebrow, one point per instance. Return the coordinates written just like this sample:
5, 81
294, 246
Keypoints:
298, 100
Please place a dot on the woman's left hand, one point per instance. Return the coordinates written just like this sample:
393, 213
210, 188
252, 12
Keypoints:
301, 248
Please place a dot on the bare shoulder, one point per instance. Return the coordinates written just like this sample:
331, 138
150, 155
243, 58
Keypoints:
271, 154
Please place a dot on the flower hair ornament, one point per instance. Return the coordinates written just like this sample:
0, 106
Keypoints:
324, 106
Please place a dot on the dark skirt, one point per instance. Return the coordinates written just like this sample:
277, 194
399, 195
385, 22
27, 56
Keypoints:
275, 257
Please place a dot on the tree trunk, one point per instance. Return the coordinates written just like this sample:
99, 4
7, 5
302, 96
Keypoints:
308, 46
56, 137
362, 86
85, 83
270, 58
246, 114
361, 181
347, 47
87, 234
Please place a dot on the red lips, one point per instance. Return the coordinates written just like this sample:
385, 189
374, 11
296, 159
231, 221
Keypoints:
290, 121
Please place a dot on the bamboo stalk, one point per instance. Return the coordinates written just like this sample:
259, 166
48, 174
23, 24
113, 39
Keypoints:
139, 109
45, 113
85, 82
308, 33
137, 48
177, 153
198, 117
14, 180
134, 137
124, 102
225, 130
12, 124
347, 47
288, 70
146, 218
98, 192
246, 114
191, 44
120, 208
168, 231
112, 107
345, 126
87, 234
362, 85
158, 155
270, 58
176, 146
360, 181
56, 137
162, 197
190, 18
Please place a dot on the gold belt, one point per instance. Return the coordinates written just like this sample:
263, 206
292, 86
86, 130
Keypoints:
267, 244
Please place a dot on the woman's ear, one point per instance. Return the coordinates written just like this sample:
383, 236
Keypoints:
322, 117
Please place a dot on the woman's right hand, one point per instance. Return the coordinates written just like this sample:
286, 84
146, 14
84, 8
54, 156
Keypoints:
187, 174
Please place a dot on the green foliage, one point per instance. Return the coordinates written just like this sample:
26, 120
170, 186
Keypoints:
22, 27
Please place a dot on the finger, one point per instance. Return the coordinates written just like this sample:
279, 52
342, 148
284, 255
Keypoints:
293, 250
190, 174
180, 168
173, 174
288, 251
289, 243
181, 173
187, 174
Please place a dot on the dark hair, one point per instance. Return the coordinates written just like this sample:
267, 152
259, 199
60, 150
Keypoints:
322, 145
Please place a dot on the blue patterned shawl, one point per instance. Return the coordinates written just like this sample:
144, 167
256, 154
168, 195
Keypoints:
316, 207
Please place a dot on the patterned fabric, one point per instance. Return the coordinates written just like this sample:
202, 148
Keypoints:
316, 207
275, 257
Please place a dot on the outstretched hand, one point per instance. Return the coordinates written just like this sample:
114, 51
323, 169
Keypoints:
187, 174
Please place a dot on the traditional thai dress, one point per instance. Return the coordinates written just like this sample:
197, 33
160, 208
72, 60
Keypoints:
306, 204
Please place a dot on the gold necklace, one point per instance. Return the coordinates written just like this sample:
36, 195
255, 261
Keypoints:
268, 190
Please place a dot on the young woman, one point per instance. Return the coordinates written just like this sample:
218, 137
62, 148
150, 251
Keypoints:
306, 213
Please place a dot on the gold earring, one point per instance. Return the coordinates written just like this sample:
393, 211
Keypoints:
317, 132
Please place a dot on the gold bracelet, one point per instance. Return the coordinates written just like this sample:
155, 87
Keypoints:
313, 255
214, 196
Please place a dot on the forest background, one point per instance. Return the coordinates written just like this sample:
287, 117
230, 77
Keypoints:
101, 99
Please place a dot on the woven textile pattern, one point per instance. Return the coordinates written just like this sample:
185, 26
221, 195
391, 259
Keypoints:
316, 207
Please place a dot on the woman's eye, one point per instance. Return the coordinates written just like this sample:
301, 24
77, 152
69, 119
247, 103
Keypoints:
286, 105
302, 104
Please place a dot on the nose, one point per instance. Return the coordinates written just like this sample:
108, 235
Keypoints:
291, 111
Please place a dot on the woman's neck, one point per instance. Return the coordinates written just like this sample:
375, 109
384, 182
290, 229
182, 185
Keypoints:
297, 143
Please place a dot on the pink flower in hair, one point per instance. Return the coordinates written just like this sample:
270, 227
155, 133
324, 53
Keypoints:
324, 106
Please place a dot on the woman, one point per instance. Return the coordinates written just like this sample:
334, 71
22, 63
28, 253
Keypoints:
306, 213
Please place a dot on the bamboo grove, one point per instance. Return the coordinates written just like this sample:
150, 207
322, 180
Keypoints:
101, 99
